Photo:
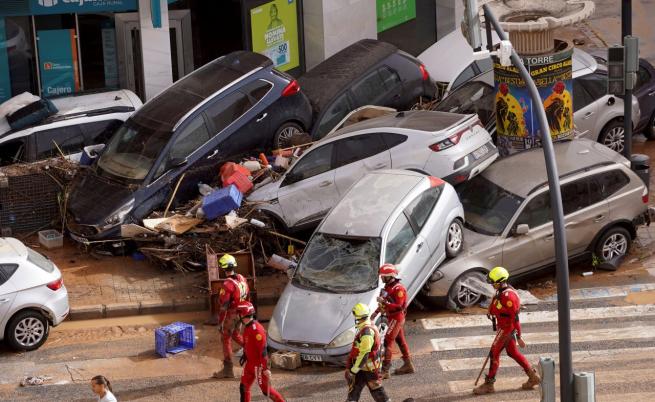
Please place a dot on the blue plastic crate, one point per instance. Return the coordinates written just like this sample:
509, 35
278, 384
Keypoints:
221, 202
174, 338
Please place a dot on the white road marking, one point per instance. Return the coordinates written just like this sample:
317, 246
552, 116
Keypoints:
594, 335
533, 317
609, 291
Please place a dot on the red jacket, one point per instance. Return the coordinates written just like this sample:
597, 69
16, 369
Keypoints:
505, 307
254, 344
396, 301
234, 290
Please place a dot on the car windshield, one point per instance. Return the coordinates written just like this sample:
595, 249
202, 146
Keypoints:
487, 206
39, 260
132, 150
339, 264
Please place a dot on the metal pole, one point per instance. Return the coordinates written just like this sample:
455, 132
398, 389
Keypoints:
562, 261
490, 41
626, 29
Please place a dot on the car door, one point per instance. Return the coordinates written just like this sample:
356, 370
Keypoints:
7, 290
333, 114
585, 111
393, 86
308, 191
357, 155
55, 141
645, 91
586, 212
408, 250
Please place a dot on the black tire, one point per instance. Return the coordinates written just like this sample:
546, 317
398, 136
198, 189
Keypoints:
649, 131
284, 133
613, 136
27, 330
461, 296
613, 245
454, 238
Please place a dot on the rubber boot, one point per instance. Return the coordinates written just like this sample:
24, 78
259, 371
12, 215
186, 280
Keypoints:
227, 372
386, 366
533, 379
406, 368
487, 387
380, 395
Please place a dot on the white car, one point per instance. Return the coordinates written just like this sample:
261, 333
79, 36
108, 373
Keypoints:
451, 146
32, 296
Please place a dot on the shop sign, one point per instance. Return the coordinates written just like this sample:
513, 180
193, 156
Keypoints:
80, 6
58, 62
5, 80
517, 126
394, 12
274, 31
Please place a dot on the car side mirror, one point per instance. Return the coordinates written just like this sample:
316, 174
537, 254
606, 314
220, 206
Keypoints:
521, 229
611, 101
177, 162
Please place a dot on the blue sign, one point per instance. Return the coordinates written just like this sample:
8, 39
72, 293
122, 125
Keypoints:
58, 62
80, 6
5, 80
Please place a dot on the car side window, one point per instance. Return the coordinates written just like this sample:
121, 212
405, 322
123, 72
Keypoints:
643, 76
6, 271
389, 77
391, 140
12, 152
467, 74
358, 147
69, 139
333, 115
256, 90
192, 137
421, 208
225, 111
595, 84
612, 181
99, 132
537, 212
400, 239
575, 196
581, 97
368, 89
317, 162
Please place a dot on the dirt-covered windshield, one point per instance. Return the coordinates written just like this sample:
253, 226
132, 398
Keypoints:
339, 264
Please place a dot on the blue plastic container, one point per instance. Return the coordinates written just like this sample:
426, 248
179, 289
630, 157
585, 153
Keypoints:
90, 154
174, 338
221, 202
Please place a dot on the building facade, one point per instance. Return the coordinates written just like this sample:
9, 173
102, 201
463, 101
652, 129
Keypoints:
60, 47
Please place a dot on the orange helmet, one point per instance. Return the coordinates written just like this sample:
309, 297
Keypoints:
388, 270
245, 308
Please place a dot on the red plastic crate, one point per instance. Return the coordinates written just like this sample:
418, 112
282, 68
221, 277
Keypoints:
241, 181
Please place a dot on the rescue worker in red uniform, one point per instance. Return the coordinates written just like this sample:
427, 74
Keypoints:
234, 290
363, 365
255, 356
392, 303
504, 308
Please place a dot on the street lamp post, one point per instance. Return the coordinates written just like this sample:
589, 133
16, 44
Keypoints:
626, 30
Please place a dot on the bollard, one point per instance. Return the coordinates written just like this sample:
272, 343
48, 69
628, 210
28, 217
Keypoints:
584, 387
547, 374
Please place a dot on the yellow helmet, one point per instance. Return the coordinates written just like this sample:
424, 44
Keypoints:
497, 275
227, 262
361, 311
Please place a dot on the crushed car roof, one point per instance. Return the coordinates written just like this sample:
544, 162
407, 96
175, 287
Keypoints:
420, 120
366, 207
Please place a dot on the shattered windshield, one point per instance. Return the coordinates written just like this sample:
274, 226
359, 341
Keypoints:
132, 150
339, 264
487, 206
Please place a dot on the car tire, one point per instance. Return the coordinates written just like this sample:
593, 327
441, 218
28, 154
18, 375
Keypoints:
649, 131
461, 296
454, 238
27, 330
613, 244
285, 133
613, 136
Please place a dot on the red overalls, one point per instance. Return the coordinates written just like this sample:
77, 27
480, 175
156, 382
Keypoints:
254, 337
395, 309
505, 307
235, 289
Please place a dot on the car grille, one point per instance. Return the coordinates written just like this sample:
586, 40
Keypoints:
306, 345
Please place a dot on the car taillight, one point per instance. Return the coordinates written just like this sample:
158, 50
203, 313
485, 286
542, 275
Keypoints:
56, 285
644, 195
424, 72
448, 142
292, 88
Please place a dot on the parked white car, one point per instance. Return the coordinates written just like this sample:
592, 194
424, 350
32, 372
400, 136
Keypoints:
451, 146
391, 216
32, 296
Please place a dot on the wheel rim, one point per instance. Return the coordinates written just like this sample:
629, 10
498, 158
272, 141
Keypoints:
615, 139
615, 246
29, 331
286, 134
467, 297
454, 236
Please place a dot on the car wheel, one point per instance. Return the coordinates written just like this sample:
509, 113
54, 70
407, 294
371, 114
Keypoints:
462, 295
613, 244
454, 238
28, 330
649, 131
285, 133
613, 136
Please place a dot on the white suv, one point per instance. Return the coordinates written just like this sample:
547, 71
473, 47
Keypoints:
32, 296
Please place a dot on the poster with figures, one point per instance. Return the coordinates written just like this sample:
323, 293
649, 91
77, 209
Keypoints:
517, 126
274, 30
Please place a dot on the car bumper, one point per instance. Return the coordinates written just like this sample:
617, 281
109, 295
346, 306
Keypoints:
59, 306
84, 238
473, 165
333, 356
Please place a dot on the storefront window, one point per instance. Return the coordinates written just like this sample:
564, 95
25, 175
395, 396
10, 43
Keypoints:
98, 49
17, 63
409, 24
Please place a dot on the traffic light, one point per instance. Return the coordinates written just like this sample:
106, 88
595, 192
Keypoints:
616, 70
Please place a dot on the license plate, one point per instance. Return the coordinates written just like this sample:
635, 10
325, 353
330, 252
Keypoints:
312, 358
480, 152
79, 239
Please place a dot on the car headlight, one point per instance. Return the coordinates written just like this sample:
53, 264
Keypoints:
274, 331
345, 338
119, 215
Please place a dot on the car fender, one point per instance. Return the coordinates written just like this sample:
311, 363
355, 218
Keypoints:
622, 222
16, 309
274, 211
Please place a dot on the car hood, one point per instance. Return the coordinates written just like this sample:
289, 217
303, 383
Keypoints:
93, 199
315, 317
475, 242
266, 192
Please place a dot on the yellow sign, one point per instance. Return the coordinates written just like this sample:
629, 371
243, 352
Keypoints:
274, 31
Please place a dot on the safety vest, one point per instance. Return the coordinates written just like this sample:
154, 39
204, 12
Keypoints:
241, 284
373, 358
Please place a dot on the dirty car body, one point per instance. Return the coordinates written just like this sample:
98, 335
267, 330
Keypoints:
393, 216
231, 106
509, 219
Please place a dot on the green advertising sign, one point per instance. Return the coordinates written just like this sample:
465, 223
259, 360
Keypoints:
274, 30
394, 12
